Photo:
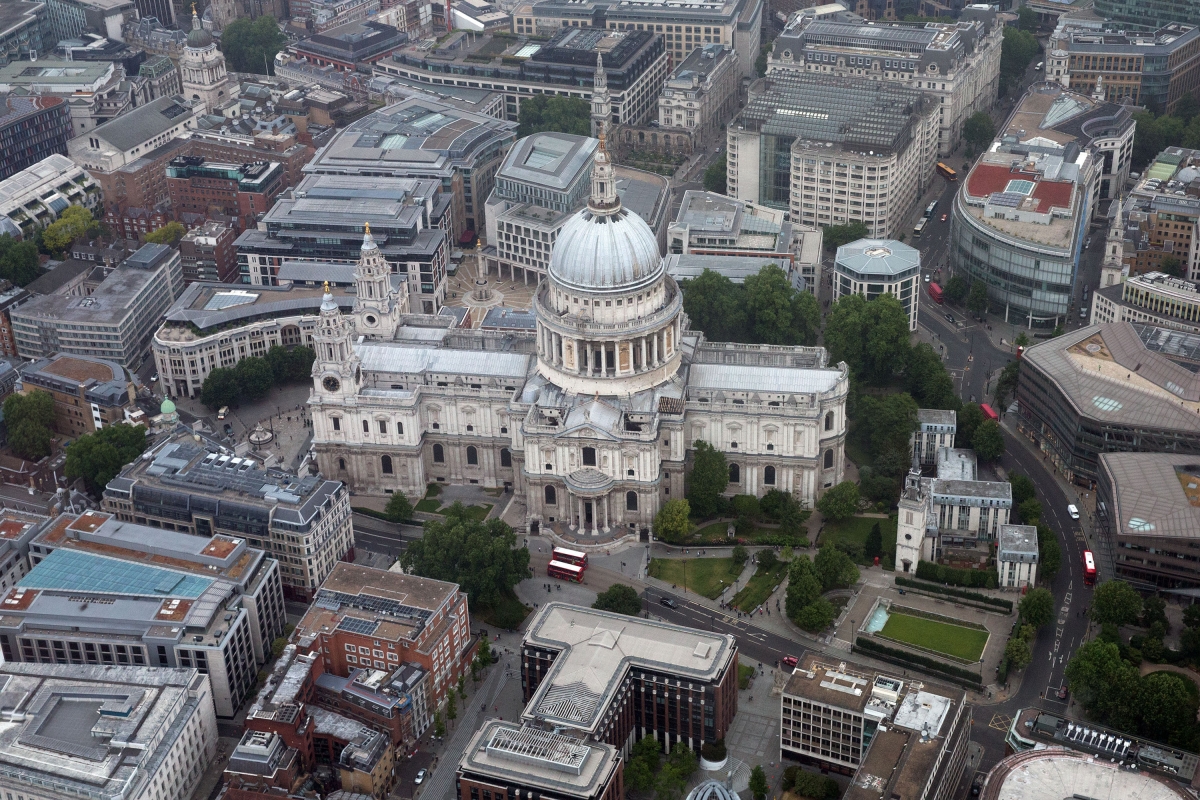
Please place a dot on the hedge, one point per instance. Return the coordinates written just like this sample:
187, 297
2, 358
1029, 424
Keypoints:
940, 573
977, 597
905, 658
370, 512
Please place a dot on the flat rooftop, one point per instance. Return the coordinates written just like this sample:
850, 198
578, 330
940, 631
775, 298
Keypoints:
596, 651
1054, 773
1155, 494
887, 259
553, 160
1019, 540
207, 306
530, 756
936, 416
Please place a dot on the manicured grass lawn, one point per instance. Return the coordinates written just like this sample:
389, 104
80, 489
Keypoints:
428, 504
704, 576
760, 587
942, 637
745, 673
856, 530
714, 533
479, 512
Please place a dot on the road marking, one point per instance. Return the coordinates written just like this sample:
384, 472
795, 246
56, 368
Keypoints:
1000, 722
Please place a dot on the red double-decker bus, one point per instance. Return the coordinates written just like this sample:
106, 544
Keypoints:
566, 556
1089, 568
989, 412
935, 292
564, 572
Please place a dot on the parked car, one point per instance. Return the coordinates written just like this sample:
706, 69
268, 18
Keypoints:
1073, 511
1062, 692
927, 277
421, 775
668, 602
222, 412
790, 661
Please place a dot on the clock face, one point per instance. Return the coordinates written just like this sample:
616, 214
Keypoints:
331, 384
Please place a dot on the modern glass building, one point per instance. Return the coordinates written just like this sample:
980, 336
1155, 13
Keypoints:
872, 267
1149, 14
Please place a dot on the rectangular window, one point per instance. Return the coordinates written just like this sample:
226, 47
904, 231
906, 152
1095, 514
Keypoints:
337, 423
382, 426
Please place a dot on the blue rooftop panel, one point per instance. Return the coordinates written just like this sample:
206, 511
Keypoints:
75, 571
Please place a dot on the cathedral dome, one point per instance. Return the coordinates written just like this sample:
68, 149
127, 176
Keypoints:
605, 251
197, 37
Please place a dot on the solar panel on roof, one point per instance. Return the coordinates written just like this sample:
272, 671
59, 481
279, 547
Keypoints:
1006, 199
365, 627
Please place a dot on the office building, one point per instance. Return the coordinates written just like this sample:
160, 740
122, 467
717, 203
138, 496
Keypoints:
1152, 299
1120, 387
196, 488
871, 267
243, 191
1020, 218
1017, 557
1037, 774
114, 322
25, 29
71, 19
161, 77
89, 393
354, 43
1160, 217
32, 128
260, 763
631, 661
217, 325
34, 197
208, 254
323, 220
1148, 14
103, 591
95, 92
957, 63
136, 733
710, 224
895, 737
831, 150
635, 62
1148, 512
17, 530
545, 178
684, 27
1156, 69
424, 139
700, 96
502, 755
936, 429
134, 134
151, 35
372, 619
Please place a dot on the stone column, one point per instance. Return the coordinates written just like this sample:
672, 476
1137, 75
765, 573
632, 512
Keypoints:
603, 359
579, 356
570, 505
606, 523
642, 341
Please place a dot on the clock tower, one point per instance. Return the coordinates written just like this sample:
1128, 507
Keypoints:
336, 370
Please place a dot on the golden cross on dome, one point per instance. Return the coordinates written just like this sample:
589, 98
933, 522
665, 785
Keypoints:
193, 9
327, 287
367, 227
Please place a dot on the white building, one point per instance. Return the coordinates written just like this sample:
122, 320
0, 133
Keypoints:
590, 418
1017, 556
871, 267
935, 429
202, 67
132, 135
701, 95
135, 733
34, 197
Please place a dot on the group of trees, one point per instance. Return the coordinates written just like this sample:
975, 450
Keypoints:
871, 336
810, 784
99, 457
480, 556
619, 598
1017, 51
716, 176
1156, 132
1036, 609
168, 234
73, 223
958, 289
809, 579
1028, 511
18, 261
252, 377
979, 130
766, 309
645, 770
559, 114
30, 421
834, 236
250, 45
840, 502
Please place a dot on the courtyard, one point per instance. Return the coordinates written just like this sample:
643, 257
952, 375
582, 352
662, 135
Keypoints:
937, 635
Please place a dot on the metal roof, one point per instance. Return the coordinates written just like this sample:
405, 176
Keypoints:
144, 122
773, 379
878, 257
1154, 494
399, 358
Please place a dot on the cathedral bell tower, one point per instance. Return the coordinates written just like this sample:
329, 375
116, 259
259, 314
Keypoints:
910, 528
336, 369
601, 101
377, 308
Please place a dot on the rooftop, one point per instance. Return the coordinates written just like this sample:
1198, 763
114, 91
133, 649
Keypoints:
553, 160
696, 67
885, 258
140, 125
686, 266
936, 416
532, 757
647, 9
1055, 773
211, 306
1154, 494
1019, 541
597, 649
21, 186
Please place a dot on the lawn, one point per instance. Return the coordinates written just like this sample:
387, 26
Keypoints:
941, 637
715, 533
760, 587
428, 504
481, 512
704, 576
856, 529
745, 673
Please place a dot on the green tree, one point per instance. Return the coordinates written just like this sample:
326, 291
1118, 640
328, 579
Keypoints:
30, 420
1006, 384
559, 114
956, 289
70, 225
1172, 266
1167, 704
1022, 488
892, 420
987, 440
874, 544
816, 616
716, 305
1049, 553
802, 592
926, 379
707, 480
1116, 603
672, 523
638, 777
1016, 51
451, 705
977, 298
839, 502
1154, 612
837, 235
813, 786
251, 45
484, 654
715, 176
439, 725
619, 598
776, 312
1106, 686
979, 130
739, 555
1027, 19
168, 234
969, 418
18, 260
758, 783
1030, 512
462, 686
220, 388
254, 378
871, 337
1037, 607
99, 457
398, 508
1018, 653
480, 556
834, 569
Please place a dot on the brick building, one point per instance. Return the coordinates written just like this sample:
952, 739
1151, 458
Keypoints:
89, 393
208, 254
200, 186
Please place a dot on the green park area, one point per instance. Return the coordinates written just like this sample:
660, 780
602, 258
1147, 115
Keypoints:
704, 576
759, 588
853, 533
957, 641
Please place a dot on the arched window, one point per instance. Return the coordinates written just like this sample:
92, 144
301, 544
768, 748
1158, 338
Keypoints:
439, 455
505, 457
631, 501
829, 421
735, 473
828, 459
341, 463
472, 455
400, 428
551, 496
387, 465
589, 456
769, 476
